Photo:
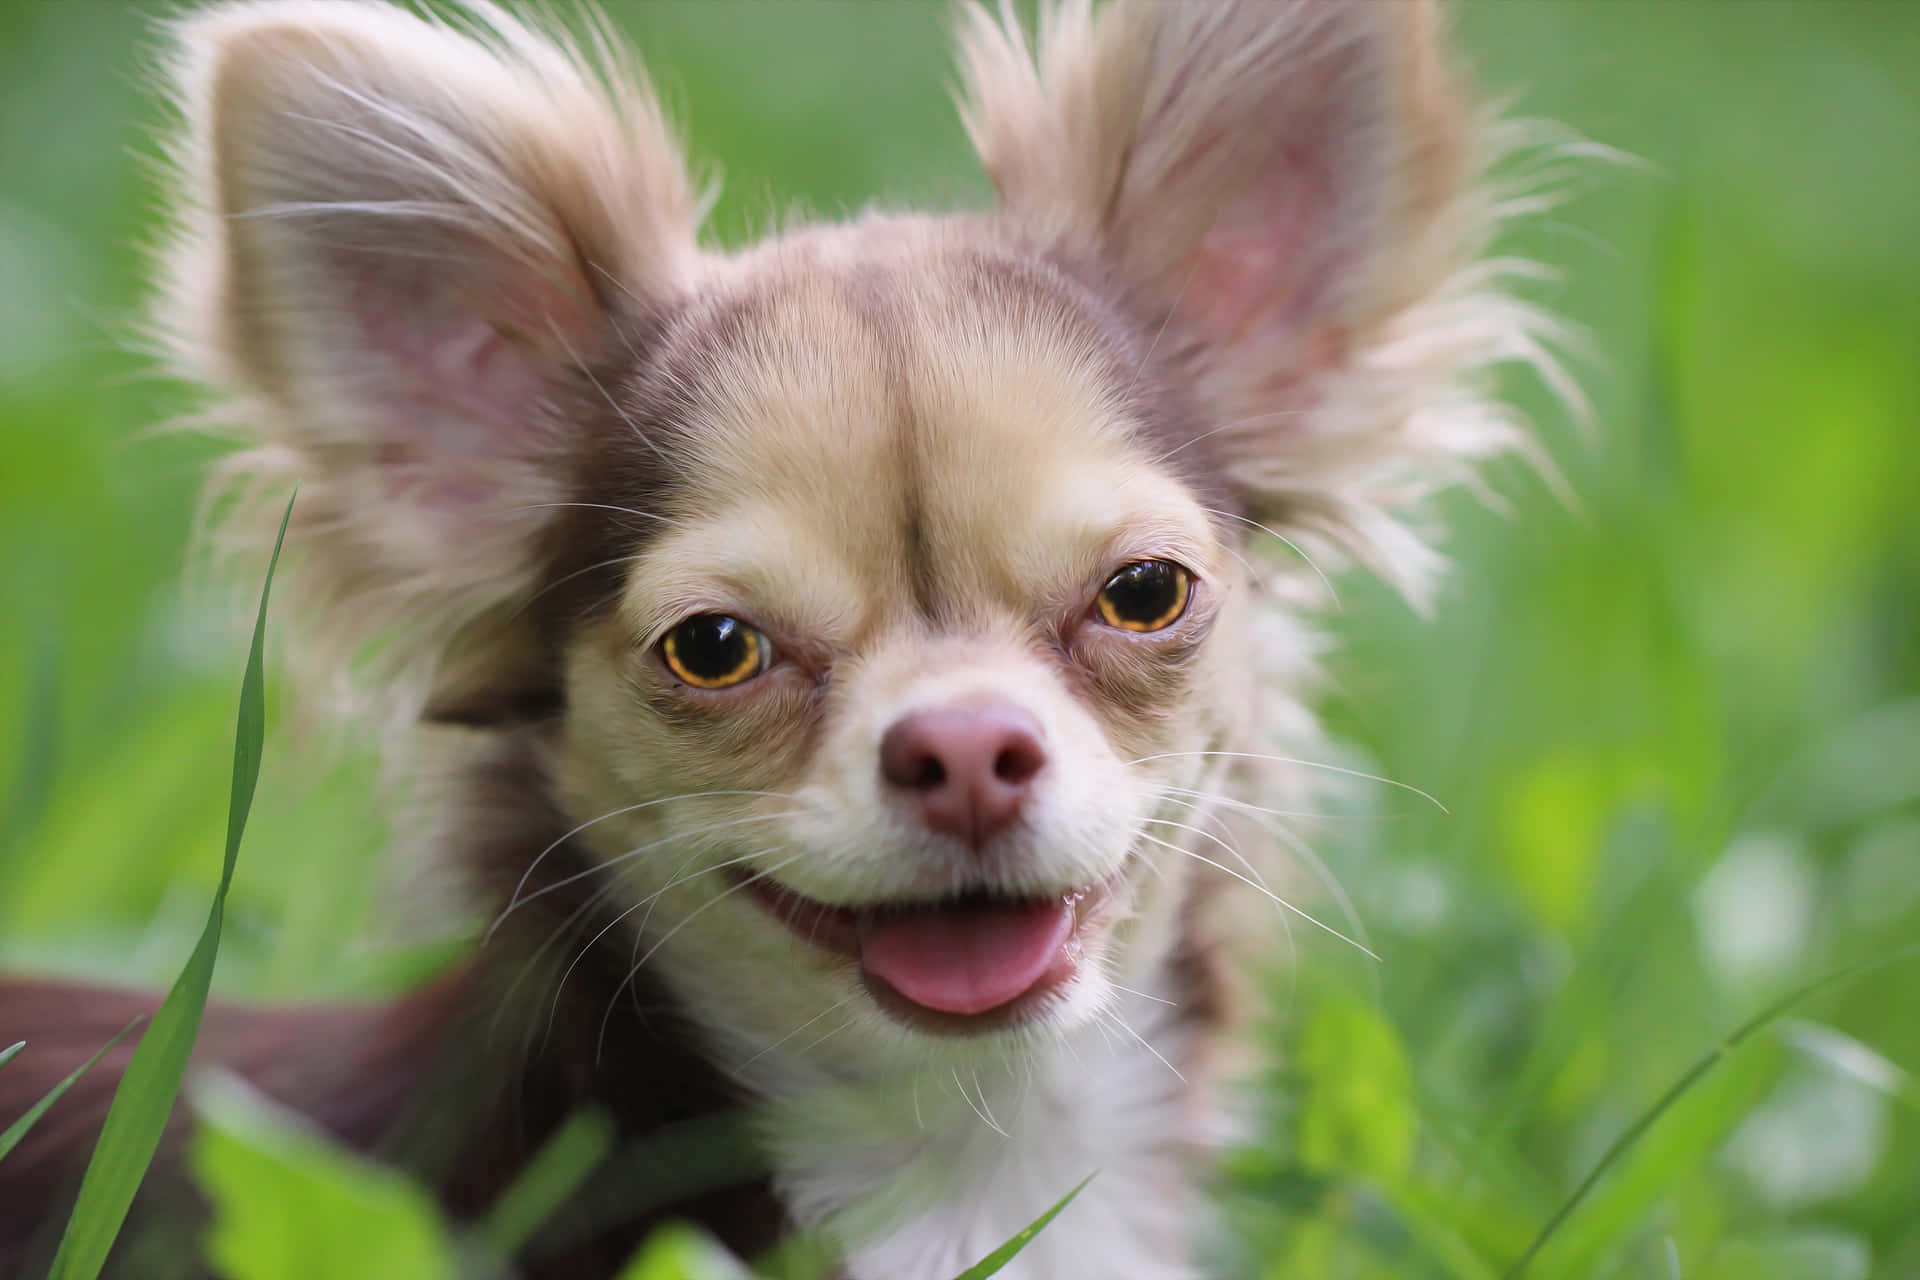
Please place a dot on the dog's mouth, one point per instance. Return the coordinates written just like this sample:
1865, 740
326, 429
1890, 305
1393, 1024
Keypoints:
970, 962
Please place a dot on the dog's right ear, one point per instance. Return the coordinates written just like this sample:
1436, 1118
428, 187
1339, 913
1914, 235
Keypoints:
1285, 192
400, 238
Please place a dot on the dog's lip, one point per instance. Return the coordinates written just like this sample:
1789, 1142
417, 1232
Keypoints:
842, 931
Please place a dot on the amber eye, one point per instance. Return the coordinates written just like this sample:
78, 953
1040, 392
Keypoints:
714, 651
1147, 595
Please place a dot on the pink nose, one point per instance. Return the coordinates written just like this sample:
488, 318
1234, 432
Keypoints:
969, 770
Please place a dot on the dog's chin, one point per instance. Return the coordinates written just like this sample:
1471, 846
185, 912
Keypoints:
968, 964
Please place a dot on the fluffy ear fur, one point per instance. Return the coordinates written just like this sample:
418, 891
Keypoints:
404, 237
1286, 187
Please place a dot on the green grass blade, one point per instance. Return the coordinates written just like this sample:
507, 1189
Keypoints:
564, 1160
144, 1100
11, 1052
680, 1252
1000, 1257
18, 1129
288, 1204
1688, 1079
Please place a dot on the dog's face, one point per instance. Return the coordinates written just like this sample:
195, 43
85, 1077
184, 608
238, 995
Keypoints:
928, 620
882, 589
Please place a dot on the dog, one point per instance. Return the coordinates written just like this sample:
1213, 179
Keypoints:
836, 660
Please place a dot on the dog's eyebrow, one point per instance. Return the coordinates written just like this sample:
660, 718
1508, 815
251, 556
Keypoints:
1083, 294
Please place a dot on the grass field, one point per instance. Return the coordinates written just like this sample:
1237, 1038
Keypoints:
1675, 723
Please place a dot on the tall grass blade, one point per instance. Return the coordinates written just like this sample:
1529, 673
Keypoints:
1000, 1257
144, 1100
1688, 1078
11, 1052
562, 1163
18, 1129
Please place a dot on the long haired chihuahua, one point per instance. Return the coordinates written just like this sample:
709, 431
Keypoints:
834, 659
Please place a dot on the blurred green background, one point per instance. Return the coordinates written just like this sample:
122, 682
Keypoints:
1676, 724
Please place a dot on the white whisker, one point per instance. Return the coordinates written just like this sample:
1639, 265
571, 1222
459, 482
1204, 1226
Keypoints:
1277, 899
1201, 797
609, 926
1118, 1021
609, 863
1179, 296
1299, 848
1171, 1004
984, 1105
514, 900
973, 1107
1238, 422
832, 1008
564, 579
592, 506
1305, 764
651, 901
560, 931
695, 914
1291, 545
825, 1036
613, 404
1208, 835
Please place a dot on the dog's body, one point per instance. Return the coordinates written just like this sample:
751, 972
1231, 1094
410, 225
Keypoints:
843, 652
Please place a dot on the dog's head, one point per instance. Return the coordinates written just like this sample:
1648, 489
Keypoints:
880, 593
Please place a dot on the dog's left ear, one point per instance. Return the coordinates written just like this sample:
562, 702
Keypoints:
1283, 190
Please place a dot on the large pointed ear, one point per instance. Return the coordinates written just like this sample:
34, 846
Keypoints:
400, 240
1285, 190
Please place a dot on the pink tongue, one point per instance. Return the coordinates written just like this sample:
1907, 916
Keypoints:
966, 959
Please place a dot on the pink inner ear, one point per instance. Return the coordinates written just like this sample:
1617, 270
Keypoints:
1235, 275
443, 388
1265, 271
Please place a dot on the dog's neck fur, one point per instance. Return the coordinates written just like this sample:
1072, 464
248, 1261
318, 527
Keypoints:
927, 1174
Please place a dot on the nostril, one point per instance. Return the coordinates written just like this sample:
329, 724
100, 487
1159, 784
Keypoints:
911, 757
1018, 761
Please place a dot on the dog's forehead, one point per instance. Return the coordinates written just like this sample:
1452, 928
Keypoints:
932, 415
837, 350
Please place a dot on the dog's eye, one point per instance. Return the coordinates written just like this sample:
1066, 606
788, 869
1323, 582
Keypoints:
714, 651
1147, 595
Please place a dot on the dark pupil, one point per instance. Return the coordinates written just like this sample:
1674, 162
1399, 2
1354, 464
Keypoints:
711, 646
1143, 592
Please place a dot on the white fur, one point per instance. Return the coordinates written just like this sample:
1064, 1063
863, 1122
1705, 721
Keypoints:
925, 1174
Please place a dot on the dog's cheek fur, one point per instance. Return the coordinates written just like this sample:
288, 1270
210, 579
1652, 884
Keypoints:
757, 737
632, 740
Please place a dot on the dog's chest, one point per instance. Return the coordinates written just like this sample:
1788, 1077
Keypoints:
924, 1177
